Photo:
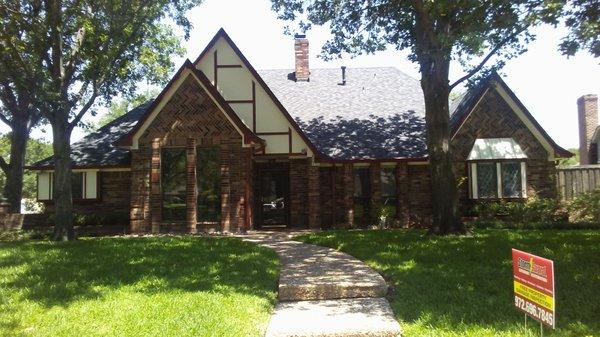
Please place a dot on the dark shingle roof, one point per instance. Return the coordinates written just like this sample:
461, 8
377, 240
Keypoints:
98, 148
379, 112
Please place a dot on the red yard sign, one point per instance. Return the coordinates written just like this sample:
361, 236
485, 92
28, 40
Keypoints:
534, 286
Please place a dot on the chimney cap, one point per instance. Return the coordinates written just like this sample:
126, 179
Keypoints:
300, 36
588, 97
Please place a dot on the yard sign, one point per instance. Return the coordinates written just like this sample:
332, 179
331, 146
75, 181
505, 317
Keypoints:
534, 286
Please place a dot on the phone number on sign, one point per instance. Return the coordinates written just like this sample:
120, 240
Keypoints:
535, 311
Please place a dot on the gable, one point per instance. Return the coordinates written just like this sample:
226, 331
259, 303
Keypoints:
185, 73
189, 113
506, 103
253, 102
494, 117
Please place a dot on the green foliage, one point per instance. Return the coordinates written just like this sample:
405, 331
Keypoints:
462, 285
152, 286
118, 107
582, 17
573, 161
540, 213
585, 208
37, 149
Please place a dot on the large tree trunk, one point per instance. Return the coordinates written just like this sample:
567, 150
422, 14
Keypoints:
13, 189
63, 202
436, 90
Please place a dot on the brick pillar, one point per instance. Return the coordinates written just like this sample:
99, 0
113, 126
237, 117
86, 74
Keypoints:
375, 177
155, 197
224, 163
313, 197
191, 189
298, 192
402, 193
349, 194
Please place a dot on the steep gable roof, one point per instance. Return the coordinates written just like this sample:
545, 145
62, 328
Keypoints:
222, 34
248, 135
464, 105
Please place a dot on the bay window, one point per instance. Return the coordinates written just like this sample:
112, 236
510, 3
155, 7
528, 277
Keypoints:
497, 169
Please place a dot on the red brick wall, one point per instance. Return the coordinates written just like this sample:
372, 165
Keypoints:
299, 193
189, 117
113, 195
493, 118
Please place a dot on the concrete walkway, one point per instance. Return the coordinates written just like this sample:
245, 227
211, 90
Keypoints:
323, 292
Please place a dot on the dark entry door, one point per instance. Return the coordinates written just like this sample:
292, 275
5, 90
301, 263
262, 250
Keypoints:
273, 198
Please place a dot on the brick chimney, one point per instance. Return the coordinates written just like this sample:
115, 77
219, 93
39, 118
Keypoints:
301, 52
587, 110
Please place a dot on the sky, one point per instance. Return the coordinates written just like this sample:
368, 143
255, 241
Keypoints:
547, 82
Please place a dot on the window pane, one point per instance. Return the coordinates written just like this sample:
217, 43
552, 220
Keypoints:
487, 181
77, 185
388, 182
173, 174
362, 195
511, 180
208, 180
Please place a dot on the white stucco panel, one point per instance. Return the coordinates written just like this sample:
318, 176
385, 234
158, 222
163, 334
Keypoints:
236, 84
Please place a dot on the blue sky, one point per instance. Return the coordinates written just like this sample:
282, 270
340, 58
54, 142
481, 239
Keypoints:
547, 82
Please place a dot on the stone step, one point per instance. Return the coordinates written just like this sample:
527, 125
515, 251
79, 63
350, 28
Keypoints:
357, 317
319, 273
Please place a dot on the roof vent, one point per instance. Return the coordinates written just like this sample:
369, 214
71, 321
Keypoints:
343, 76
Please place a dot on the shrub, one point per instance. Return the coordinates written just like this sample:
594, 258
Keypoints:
585, 207
534, 212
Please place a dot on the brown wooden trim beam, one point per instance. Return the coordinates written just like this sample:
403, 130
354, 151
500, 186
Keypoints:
253, 106
229, 65
215, 67
239, 101
273, 133
290, 140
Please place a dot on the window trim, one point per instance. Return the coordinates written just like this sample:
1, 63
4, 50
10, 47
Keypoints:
473, 184
84, 176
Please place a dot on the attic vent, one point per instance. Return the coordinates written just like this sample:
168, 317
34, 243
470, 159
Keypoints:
343, 76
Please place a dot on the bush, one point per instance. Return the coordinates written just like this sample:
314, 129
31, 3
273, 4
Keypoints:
97, 219
583, 212
585, 207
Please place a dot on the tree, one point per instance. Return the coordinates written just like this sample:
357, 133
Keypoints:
68, 55
582, 17
119, 107
37, 149
435, 32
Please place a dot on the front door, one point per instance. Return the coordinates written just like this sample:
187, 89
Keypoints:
273, 197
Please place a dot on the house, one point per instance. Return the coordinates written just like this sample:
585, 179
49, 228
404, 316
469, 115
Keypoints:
589, 130
230, 148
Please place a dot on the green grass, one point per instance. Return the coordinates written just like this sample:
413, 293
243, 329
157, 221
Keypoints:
161, 286
462, 286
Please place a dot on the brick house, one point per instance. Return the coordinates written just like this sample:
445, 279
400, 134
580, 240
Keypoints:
230, 148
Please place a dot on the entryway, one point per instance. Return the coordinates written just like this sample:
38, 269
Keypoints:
272, 196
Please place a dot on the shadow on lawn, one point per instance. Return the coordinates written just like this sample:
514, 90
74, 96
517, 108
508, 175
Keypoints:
58, 273
457, 282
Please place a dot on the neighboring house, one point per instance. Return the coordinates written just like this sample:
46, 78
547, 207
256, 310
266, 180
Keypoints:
589, 130
227, 147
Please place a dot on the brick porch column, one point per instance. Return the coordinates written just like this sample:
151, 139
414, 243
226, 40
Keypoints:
402, 209
349, 194
191, 190
313, 197
156, 200
248, 172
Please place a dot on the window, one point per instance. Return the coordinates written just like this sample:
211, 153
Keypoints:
83, 185
497, 179
388, 190
208, 180
362, 195
173, 183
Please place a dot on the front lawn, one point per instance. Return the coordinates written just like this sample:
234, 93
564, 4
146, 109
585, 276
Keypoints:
154, 286
462, 286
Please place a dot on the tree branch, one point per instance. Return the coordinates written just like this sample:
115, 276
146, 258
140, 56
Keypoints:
488, 56
5, 120
4, 166
84, 109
